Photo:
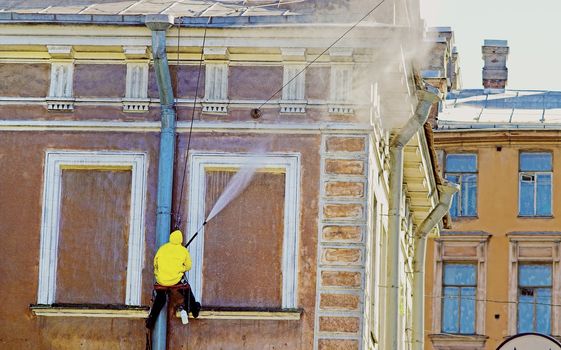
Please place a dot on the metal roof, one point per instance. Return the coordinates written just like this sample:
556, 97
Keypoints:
188, 8
510, 109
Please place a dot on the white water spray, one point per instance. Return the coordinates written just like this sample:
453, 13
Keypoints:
236, 185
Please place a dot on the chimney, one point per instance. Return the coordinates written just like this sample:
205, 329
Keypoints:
495, 73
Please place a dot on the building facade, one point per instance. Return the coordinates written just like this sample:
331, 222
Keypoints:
316, 253
495, 273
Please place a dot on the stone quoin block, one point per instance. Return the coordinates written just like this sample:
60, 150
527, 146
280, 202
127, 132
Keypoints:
339, 324
337, 344
344, 189
346, 279
343, 211
339, 302
344, 167
341, 256
342, 233
345, 144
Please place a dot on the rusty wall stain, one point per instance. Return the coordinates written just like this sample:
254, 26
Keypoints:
93, 238
243, 244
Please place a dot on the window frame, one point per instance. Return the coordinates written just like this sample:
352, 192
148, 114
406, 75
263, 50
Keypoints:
534, 248
534, 302
55, 162
458, 195
460, 287
474, 245
522, 173
289, 163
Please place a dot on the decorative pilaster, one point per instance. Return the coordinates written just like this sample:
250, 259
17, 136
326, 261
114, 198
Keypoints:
342, 233
60, 96
136, 93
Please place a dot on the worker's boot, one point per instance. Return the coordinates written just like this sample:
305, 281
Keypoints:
195, 309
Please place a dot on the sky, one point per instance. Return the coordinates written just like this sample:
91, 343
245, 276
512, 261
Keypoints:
532, 28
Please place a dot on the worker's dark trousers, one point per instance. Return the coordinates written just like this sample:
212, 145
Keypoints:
160, 301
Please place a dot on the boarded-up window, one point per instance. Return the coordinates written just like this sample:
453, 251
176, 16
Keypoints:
93, 239
242, 263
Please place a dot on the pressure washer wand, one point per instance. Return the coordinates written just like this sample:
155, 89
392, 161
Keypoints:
195, 235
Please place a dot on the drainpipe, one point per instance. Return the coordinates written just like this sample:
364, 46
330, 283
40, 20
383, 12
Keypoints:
159, 24
445, 192
413, 125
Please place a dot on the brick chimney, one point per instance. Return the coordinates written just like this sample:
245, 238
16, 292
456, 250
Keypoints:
495, 73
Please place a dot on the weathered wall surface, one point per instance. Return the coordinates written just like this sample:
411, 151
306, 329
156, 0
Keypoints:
22, 157
240, 334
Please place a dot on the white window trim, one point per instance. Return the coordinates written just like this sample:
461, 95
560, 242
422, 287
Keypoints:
543, 242
55, 162
479, 242
290, 164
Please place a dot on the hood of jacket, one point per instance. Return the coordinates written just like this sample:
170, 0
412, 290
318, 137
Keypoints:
176, 237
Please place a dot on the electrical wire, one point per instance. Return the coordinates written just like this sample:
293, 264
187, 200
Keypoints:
324, 51
178, 214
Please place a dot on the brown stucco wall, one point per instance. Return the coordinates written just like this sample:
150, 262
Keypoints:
497, 209
21, 174
100, 80
249, 275
187, 77
24, 80
318, 83
237, 334
254, 83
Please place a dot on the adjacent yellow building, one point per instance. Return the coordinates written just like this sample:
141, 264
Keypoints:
495, 273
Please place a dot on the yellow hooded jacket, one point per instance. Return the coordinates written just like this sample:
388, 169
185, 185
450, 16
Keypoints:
172, 260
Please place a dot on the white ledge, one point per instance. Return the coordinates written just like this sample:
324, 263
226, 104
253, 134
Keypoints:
246, 314
86, 310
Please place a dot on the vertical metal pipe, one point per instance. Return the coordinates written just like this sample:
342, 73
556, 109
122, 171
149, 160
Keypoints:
445, 193
159, 24
413, 125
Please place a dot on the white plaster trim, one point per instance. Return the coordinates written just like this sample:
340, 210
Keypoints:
542, 242
290, 163
67, 311
288, 315
52, 187
479, 242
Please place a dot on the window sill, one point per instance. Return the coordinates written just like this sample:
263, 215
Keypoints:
89, 310
535, 217
460, 218
223, 313
458, 341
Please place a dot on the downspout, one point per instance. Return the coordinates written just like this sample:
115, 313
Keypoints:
159, 24
413, 125
445, 193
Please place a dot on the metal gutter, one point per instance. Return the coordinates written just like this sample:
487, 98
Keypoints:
397, 145
159, 25
186, 21
446, 191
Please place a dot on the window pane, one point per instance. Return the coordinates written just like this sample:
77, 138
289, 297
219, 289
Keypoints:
543, 195
467, 311
526, 196
525, 313
459, 275
461, 163
543, 310
454, 207
450, 310
534, 275
469, 195
530, 161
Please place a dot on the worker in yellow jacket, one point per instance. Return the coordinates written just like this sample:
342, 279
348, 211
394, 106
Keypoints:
171, 262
